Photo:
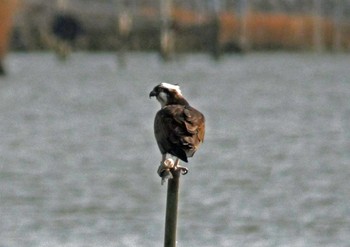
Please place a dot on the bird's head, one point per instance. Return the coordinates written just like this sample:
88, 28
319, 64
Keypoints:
167, 94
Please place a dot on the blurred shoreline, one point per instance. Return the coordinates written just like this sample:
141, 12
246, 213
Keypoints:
195, 27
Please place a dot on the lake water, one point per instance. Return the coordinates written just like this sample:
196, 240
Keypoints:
78, 158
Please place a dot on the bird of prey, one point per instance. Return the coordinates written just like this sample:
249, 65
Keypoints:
178, 128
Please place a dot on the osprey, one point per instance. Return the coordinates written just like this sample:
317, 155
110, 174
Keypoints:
178, 127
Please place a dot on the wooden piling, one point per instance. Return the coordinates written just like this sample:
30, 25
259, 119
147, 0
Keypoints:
167, 36
124, 26
172, 209
338, 15
215, 48
2, 69
318, 35
243, 15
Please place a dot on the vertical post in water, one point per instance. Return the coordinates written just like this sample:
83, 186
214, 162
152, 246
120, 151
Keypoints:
317, 26
124, 27
338, 22
244, 9
215, 48
171, 210
2, 70
166, 30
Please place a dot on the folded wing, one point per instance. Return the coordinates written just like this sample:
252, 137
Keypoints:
179, 130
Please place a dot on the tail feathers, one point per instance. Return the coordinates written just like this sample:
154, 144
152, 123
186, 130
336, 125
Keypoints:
181, 154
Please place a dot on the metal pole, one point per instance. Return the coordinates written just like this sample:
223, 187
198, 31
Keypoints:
171, 210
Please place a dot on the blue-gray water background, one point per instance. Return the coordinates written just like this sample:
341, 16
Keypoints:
78, 156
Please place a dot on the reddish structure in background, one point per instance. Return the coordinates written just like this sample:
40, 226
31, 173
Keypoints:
7, 10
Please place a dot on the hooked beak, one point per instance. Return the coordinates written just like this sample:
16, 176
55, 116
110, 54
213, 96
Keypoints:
152, 94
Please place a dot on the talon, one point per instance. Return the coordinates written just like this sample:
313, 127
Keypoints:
184, 170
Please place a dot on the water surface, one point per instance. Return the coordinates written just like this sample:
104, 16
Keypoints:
78, 157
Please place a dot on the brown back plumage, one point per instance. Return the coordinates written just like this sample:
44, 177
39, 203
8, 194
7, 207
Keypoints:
179, 130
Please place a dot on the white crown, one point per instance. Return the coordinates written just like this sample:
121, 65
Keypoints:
171, 86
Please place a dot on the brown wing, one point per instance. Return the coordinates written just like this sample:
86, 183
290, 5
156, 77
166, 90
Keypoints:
179, 130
